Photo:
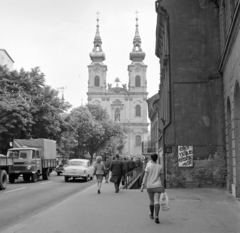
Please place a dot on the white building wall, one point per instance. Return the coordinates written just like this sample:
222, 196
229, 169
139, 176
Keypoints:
6, 60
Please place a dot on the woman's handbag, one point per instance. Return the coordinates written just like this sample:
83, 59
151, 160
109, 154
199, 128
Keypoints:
164, 201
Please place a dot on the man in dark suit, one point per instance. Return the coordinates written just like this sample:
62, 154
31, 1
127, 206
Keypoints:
131, 165
117, 171
125, 170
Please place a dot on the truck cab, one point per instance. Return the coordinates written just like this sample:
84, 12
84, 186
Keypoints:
27, 162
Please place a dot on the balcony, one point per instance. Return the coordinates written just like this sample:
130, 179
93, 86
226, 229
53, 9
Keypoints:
149, 147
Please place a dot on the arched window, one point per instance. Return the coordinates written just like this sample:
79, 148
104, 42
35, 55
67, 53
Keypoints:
138, 140
96, 81
137, 81
138, 110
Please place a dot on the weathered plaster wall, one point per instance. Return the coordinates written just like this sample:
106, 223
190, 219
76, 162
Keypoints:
197, 93
209, 168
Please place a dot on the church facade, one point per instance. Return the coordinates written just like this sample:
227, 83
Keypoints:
124, 104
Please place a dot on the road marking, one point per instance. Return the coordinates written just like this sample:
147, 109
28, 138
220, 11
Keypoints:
46, 182
15, 190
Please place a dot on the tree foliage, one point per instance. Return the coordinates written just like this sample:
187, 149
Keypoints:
31, 109
93, 128
28, 107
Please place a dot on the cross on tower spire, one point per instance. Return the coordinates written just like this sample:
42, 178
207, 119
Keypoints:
98, 13
136, 18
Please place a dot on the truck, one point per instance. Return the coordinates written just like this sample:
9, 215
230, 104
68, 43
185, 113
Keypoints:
33, 158
5, 165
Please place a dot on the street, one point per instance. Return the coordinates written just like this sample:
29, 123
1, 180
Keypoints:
22, 199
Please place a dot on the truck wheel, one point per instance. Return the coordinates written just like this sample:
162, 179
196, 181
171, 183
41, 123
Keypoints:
45, 174
86, 179
66, 178
11, 179
26, 177
34, 177
3, 179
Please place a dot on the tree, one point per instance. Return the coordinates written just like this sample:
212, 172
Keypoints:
113, 132
28, 107
92, 128
99, 113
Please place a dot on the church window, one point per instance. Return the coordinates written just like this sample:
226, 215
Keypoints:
96, 81
138, 110
138, 140
137, 81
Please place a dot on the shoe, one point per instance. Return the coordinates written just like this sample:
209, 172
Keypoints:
98, 191
116, 191
157, 220
151, 216
106, 182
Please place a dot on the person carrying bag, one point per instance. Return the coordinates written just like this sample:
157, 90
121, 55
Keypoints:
153, 177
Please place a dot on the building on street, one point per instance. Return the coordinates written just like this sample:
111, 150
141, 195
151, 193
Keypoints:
191, 106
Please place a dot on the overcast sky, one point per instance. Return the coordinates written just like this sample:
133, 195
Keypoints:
57, 36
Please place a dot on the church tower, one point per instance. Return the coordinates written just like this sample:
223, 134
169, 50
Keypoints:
97, 69
137, 87
137, 69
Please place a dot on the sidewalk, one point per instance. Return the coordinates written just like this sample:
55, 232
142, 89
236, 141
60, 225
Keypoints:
202, 210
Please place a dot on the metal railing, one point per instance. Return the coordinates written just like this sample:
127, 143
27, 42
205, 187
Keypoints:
131, 177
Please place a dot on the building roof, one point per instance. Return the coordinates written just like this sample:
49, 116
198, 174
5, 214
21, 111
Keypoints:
7, 54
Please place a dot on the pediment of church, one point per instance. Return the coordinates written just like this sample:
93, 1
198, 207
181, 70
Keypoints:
117, 101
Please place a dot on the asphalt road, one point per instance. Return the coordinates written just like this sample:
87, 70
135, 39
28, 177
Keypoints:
24, 199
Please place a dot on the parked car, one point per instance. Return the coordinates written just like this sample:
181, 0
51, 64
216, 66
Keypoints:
78, 168
59, 168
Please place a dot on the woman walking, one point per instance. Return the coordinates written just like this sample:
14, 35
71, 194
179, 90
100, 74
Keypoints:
99, 171
154, 178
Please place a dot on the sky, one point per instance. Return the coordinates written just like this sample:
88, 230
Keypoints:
57, 36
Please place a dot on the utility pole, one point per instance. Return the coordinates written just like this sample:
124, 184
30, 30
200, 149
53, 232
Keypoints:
62, 89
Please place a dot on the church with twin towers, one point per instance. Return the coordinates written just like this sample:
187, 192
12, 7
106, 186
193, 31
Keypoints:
124, 103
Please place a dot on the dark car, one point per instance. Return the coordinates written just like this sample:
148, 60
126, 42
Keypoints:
59, 168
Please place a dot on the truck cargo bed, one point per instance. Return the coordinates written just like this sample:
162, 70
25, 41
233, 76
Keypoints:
6, 161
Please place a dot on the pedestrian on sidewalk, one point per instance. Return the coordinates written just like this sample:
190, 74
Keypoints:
99, 171
125, 170
154, 178
117, 171
107, 167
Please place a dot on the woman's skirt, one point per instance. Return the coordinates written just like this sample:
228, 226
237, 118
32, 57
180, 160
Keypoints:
155, 190
99, 178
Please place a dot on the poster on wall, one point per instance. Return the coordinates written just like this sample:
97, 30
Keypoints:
185, 156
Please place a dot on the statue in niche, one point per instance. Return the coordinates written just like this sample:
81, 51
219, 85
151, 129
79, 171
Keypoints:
109, 86
117, 114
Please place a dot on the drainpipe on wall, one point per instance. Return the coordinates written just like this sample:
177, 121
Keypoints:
170, 104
